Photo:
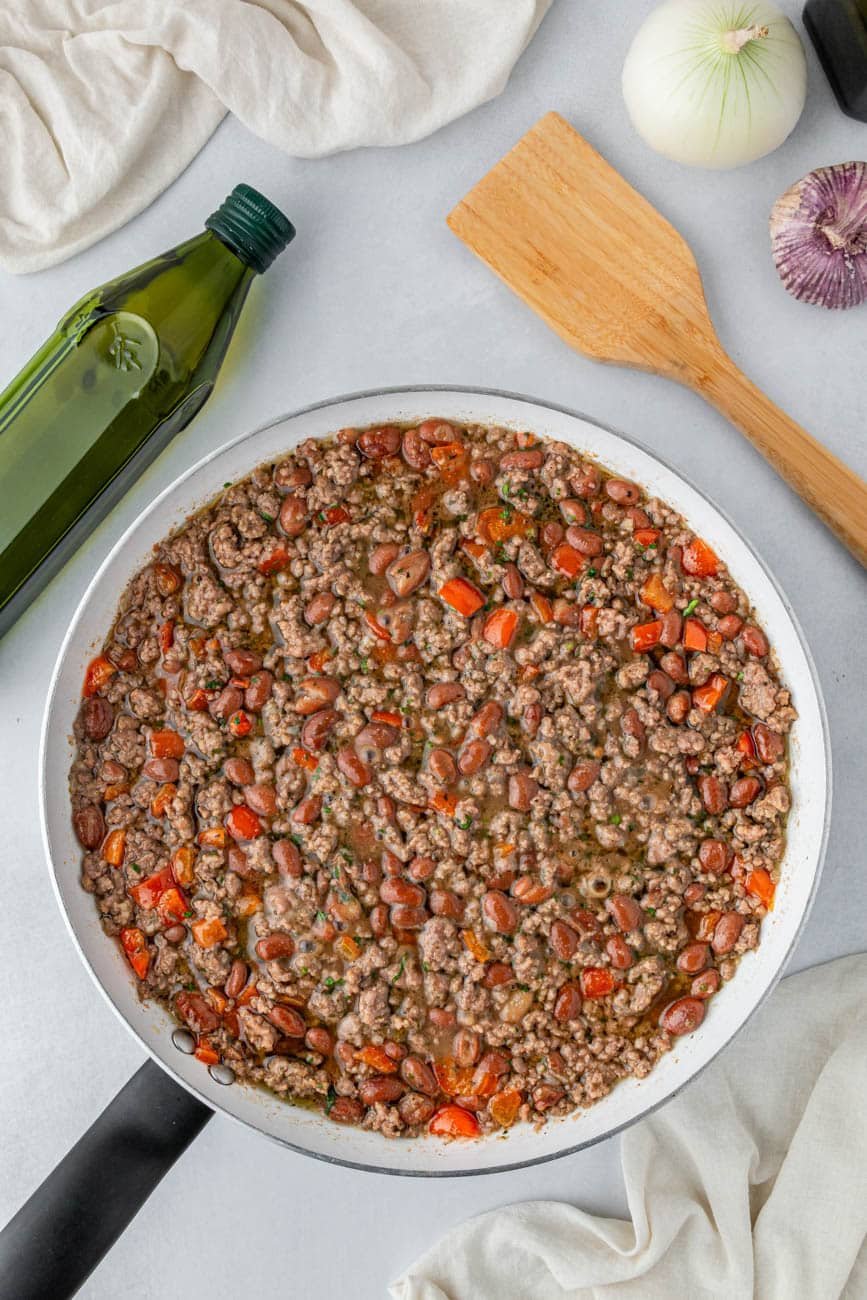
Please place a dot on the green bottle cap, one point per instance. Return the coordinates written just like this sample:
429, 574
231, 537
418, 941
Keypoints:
254, 229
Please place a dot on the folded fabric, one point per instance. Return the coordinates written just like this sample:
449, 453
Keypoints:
104, 102
750, 1184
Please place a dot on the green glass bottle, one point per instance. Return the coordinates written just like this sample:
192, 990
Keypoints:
128, 367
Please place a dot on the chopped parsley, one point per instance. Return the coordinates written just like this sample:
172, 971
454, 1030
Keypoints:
591, 573
331, 983
269, 519
320, 915
615, 819
400, 969
506, 513
365, 664
740, 677
212, 685
465, 823
693, 604
134, 866
651, 911
330, 1099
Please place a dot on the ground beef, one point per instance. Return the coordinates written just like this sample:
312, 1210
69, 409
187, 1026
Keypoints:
387, 773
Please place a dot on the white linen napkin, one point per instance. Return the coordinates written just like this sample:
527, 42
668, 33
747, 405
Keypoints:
104, 102
751, 1183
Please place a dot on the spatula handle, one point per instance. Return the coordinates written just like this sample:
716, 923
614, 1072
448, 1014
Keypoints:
833, 491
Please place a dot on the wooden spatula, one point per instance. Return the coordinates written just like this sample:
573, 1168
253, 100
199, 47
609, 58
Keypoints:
615, 280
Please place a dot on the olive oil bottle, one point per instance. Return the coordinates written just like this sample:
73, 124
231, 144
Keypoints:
128, 367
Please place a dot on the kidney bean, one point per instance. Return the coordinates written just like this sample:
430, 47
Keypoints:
675, 666
620, 954
678, 706
405, 574
497, 973
445, 903
531, 891
522, 791
671, 630
465, 1048
408, 918
723, 602
421, 868
546, 1095
261, 798
356, 771
385, 808
89, 825
381, 1088
586, 482
713, 794
315, 693
770, 745
308, 810
563, 940
243, 663
97, 717
622, 492
112, 772
378, 919
442, 1017
660, 685
197, 1013
473, 757
318, 1039
375, 736
513, 583
289, 476
226, 703
631, 725
693, 893
586, 923
318, 728
287, 857
381, 557
415, 1109
416, 451
551, 533
744, 791
437, 431
442, 766
258, 691
573, 511
727, 932
683, 1016
499, 912
239, 771
175, 933
482, 471
395, 890
566, 613
625, 911
487, 719
318, 610
583, 775
275, 945
376, 444
693, 958
346, 1110
442, 693
533, 459
162, 769
391, 865
293, 516
585, 541
705, 984
714, 855
568, 1002
755, 641
236, 979
531, 718
729, 626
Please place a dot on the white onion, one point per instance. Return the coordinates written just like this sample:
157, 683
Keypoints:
715, 83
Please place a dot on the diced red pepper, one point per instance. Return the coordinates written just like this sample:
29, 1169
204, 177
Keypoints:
162, 799
475, 945
209, 931
243, 824
166, 636
588, 621
451, 459
240, 723
542, 607
566, 560
454, 1122
503, 1108
597, 982
453, 1080
134, 945
475, 549
708, 697
206, 1052
699, 560
99, 671
645, 636
444, 803
694, 634
113, 847
336, 515
303, 758
213, 837
655, 594
166, 744
276, 562
462, 596
761, 886
197, 701
500, 628
147, 893
172, 906
377, 1059
318, 661
376, 627
386, 715
500, 523
646, 536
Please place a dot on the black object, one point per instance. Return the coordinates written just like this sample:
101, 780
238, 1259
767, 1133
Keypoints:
59, 1236
838, 29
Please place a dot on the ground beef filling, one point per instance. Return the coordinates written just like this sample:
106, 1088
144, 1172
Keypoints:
434, 777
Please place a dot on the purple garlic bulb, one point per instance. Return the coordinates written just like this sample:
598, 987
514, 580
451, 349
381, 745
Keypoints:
819, 236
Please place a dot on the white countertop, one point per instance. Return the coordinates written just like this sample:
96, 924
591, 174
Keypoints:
376, 291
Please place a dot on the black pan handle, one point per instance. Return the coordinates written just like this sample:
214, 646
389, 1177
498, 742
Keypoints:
59, 1236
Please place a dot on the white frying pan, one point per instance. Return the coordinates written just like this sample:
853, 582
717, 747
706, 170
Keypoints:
156, 1115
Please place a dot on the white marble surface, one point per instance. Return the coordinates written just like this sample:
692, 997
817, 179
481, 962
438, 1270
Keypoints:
376, 291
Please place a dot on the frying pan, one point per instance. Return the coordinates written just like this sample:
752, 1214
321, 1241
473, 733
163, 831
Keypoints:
60, 1234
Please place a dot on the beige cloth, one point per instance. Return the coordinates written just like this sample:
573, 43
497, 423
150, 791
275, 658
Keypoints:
751, 1183
104, 102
